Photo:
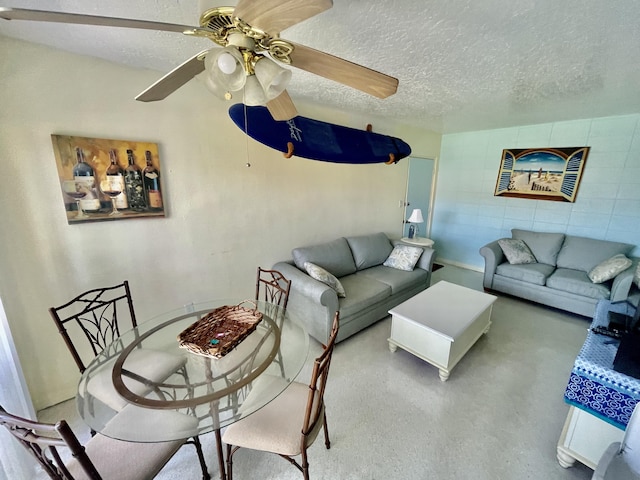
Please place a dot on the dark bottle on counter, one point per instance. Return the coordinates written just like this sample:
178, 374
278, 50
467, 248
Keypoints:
115, 175
151, 180
85, 179
133, 185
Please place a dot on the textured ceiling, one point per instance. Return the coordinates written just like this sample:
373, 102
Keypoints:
462, 64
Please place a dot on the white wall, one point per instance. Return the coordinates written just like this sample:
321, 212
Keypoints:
467, 215
223, 219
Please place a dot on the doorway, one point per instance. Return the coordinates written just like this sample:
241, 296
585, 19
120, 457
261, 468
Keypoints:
420, 193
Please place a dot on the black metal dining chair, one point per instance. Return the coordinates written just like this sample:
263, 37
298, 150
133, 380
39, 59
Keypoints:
96, 315
288, 425
272, 287
63, 457
94, 320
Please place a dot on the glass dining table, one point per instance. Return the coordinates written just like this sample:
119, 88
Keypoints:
144, 387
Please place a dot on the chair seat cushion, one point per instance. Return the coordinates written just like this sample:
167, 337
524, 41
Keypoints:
116, 459
536, 273
276, 427
151, 364
398, 280
361, 292
577, 281
165, 424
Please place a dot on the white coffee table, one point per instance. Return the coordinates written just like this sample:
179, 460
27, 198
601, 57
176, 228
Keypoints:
440, 324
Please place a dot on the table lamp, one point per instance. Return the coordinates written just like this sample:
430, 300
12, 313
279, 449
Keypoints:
414, 219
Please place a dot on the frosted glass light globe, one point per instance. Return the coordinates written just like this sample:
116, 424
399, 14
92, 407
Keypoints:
227, 63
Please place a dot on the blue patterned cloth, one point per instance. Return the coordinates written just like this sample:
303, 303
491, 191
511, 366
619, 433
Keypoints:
593, 384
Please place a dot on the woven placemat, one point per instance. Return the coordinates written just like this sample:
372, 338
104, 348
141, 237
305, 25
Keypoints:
219, 331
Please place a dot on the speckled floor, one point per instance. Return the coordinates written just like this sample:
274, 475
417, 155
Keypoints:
498, 416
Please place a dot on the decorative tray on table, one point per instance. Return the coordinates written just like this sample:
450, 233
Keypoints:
219, 331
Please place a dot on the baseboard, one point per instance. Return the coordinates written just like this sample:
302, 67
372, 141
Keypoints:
459, 264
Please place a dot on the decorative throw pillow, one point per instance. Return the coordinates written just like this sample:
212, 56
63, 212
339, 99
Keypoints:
323, 276
545, 246
403, 257
609, 268
636, 276
516, 251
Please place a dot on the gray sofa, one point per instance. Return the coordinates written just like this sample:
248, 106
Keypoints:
559, 278
371, 288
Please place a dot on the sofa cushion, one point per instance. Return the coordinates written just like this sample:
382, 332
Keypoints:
398, 280
535, 273
516, 251
325, 277
581, 253
361, 292
335, 257
577, 281
544, 245
369, 250
610, 268
403, 257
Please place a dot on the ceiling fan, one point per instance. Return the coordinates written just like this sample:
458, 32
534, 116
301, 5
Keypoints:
249, 55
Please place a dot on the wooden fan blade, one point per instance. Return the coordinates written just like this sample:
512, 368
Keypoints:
273, 16
173, 80
343, 71
81, 19
282, 107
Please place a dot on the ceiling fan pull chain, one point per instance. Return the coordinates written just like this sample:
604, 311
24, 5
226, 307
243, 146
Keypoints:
246, 134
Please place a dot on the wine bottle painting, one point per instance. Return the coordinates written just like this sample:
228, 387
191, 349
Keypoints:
102, 179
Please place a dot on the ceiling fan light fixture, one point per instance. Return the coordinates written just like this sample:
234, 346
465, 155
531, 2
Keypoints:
227, 63
241, 41
253, 93
244, 32
226, 66
214, 87
272, 77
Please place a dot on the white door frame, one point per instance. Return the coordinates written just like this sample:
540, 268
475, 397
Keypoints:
432, 198
15, 461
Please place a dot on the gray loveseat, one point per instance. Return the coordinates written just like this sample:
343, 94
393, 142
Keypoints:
371, 288
559, 278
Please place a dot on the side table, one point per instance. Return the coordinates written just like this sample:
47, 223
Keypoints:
423, 242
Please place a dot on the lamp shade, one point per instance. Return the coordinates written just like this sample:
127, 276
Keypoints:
226, 66
253, 93
206, 78
273, 78
416, 216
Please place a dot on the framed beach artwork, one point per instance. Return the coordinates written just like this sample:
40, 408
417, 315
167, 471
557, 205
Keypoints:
102, 179
541, 173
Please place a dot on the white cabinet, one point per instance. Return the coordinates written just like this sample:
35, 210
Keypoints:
585, 437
